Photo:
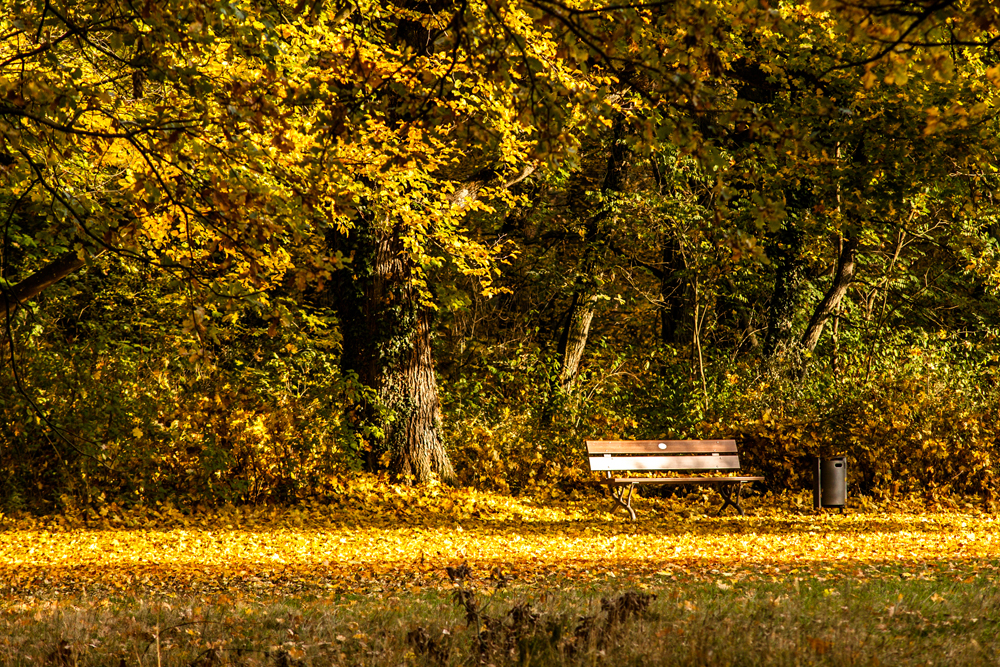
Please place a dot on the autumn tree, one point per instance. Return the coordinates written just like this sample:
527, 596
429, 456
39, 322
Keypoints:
246, 151
715, 174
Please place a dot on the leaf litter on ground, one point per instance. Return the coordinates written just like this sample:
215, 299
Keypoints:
383, 539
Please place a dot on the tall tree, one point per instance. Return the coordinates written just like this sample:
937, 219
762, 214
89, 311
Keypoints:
586, 293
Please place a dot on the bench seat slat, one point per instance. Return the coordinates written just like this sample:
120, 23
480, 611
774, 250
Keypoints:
599, 463
653, 446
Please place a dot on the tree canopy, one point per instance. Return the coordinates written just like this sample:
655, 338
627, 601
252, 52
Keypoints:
248, 246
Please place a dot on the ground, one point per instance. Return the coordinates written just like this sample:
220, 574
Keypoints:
893, 578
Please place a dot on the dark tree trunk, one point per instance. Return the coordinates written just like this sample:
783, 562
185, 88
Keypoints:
34, 284
672, 293
788, 281
841, 281
387, 333
11, 299
576, 330
387, 342
48, 275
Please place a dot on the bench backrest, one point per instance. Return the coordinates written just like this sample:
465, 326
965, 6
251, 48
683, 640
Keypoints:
608, 455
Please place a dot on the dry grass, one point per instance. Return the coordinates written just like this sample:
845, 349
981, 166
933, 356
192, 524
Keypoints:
802, 621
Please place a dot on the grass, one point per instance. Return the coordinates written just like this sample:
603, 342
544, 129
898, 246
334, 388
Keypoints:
471, 579
803, 621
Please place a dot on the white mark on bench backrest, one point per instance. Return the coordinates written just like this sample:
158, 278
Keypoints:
662, 445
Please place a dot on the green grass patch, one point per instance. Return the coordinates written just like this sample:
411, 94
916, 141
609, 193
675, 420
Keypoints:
799, 620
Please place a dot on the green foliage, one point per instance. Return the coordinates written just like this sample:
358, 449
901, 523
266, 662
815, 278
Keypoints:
920, 423
269, 201
116, 405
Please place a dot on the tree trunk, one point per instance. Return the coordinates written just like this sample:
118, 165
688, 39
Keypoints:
387, 342
421, 452
788, 280
574, 336
387, 332
576, 331
34, 284
841, 281
672, 292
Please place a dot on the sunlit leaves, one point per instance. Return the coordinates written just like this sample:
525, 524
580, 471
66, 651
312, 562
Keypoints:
332, 548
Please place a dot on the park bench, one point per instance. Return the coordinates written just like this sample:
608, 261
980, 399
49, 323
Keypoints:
663, 456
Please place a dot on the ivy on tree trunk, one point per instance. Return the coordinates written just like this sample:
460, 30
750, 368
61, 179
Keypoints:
576, 329
788, 282
387, 344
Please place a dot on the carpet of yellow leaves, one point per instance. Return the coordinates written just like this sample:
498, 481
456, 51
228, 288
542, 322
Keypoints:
386, 545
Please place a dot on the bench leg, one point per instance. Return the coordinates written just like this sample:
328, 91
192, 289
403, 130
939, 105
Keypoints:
726, 491
621, 500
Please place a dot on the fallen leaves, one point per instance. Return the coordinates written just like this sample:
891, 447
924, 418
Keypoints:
329, 549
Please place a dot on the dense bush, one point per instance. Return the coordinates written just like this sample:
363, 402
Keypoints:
107, 405
918, 420
103, 405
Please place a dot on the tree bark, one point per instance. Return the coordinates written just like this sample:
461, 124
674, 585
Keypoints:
421, 452
788, 280
387, 343
841, 282
29, 288
62, 266
574, 337
576, 331
37, 282
387, 332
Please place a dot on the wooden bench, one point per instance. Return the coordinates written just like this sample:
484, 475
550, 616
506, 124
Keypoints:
659, 456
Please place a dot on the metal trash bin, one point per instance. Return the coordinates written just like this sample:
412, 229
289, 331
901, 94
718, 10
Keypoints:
830, 482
